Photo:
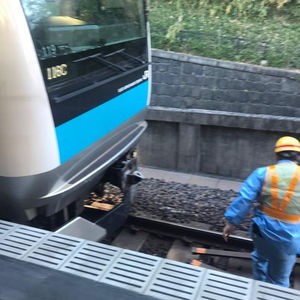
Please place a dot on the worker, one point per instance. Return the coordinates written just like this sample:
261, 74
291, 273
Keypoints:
272, 195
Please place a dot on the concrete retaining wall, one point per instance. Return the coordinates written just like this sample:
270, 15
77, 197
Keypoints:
216, 117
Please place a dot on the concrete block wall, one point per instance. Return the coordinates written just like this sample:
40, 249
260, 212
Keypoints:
218, 118
192, 82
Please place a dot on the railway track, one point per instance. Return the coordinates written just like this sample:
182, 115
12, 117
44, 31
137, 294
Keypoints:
190, 244
183, 243
191, 234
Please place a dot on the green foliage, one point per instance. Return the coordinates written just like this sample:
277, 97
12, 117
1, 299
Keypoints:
238, 8
249, 31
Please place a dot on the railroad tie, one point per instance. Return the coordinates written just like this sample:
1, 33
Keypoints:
225, 253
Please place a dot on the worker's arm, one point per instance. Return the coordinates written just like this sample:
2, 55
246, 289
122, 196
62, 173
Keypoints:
243, 203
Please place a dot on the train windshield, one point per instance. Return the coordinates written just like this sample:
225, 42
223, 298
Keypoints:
61, 27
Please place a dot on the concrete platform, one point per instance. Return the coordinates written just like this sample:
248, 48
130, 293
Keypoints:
197, 179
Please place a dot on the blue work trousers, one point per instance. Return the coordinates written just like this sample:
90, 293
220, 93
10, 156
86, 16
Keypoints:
271, 264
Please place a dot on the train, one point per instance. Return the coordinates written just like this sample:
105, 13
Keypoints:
75, 82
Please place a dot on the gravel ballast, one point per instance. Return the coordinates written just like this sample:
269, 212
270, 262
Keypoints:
183, 203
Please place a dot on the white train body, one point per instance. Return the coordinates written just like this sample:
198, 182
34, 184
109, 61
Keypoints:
73, 92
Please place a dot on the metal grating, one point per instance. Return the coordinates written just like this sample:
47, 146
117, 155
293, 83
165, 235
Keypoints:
5, 228
220, 286
142, 273
132, 270
91, 260
53, 251
175, 280
19, 239
267, 291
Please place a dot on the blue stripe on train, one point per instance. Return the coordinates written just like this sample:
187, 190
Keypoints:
79, 133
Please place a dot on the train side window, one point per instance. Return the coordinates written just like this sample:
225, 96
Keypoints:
61, 27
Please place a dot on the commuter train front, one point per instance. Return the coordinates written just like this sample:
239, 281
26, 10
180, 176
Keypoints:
74, 85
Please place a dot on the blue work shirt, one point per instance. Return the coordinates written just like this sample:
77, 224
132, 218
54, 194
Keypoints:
285, 234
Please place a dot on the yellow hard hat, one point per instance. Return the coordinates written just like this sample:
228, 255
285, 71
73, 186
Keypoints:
287, 143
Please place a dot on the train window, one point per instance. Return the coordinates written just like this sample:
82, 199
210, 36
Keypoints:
61, 27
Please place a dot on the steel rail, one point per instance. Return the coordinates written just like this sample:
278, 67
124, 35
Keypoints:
190, 234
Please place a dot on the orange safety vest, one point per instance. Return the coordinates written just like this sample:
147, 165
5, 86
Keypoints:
280, 196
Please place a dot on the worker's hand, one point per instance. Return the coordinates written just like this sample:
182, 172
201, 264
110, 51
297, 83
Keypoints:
227, 230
